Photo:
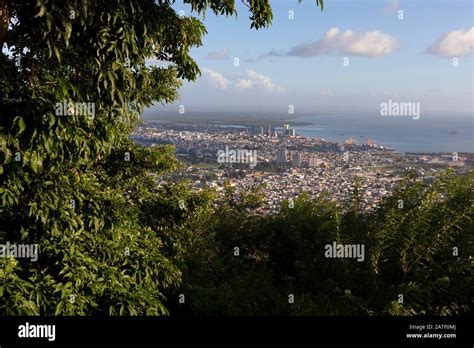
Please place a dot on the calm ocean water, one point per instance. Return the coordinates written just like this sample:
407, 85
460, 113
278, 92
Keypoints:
404, 134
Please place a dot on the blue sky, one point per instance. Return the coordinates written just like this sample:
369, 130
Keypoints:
299, 61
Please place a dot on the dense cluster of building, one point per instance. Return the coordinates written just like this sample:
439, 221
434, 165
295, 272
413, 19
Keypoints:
287, 164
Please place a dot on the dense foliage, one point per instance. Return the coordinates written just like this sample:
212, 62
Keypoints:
112, 242
71, 179
422, 250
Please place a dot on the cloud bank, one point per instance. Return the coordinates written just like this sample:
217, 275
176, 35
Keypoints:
336, 42
217, 80
251, 81
454, 44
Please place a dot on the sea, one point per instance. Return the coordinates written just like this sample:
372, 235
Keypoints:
401, 133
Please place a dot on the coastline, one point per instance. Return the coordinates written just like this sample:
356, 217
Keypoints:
430, 134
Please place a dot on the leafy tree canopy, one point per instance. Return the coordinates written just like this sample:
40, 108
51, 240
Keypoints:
73, 81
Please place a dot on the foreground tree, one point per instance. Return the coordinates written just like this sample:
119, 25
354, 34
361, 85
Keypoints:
73, 81
418, 256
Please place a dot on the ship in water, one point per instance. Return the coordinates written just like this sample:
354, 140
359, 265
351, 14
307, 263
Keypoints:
453, 132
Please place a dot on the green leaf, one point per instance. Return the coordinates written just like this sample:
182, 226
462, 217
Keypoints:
41, 12
21, 124
57, 54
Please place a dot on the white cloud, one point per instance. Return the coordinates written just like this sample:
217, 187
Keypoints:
221, 54
334, 41
454, 43
243, 84
262, 81
216, 79
252, 80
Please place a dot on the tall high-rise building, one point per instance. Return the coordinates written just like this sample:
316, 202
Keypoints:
293, 132
282, 155
286, 130
269, 131
296, 159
